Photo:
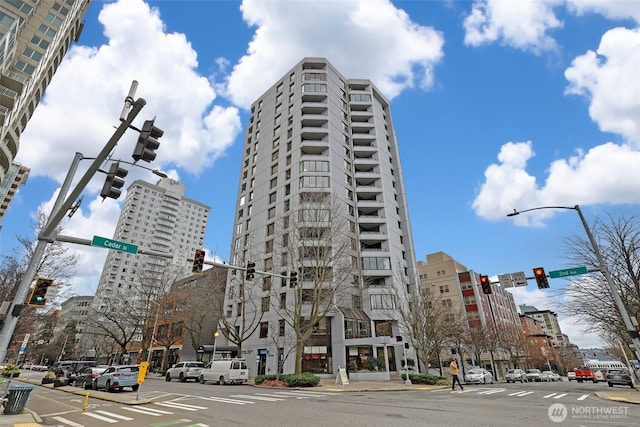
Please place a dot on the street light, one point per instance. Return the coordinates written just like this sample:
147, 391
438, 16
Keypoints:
216, 334
603, 268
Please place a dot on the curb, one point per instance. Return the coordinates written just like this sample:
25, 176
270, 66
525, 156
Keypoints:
102, 395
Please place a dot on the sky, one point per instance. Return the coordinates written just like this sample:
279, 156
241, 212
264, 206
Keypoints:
497, 105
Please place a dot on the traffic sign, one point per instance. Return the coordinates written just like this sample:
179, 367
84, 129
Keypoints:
519, 279
505, 280
116, 245
568, 272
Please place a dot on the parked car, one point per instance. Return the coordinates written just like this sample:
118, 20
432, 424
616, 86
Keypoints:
185, 371
571, 376
478, 376
514, 375
85, 377
557, 377
547, 376
534, 375
619, 376
117, 377
601, 375
226, 371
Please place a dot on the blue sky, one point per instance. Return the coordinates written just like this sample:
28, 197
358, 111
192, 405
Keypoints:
497, 105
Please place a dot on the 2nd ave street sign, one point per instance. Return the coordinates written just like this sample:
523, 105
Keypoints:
568, 272
115, 245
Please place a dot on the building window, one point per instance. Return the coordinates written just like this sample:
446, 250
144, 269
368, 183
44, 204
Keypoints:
376, 263
444, 289
383, 302
283, 297
264, 329
265, 305
270, 229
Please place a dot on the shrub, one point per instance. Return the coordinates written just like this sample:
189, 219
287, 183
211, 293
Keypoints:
305, 379
10, 370
425, 379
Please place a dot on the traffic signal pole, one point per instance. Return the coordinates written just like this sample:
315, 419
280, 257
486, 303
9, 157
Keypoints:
59, 210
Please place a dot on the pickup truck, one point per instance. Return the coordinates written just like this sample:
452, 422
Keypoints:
585, 374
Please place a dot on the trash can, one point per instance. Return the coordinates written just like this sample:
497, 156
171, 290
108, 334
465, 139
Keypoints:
17, 398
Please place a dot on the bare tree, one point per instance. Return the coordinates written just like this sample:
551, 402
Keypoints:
320, 249
588, 298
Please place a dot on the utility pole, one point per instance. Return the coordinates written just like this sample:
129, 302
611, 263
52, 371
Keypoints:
48, 233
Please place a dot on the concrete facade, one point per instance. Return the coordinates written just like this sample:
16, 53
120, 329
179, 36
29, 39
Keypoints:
319, 144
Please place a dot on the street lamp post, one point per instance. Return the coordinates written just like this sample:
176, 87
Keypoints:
153, 331
216, 334
603, 268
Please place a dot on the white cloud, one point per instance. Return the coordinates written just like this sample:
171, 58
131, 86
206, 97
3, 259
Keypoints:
522, 24
608, 77
612, 9
363, 38
138, 48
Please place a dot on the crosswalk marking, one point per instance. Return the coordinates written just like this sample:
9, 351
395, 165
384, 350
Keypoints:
258, 396
549, 395
100, 417
560, 395
493, 391
111, 414
66, 421
521, 393
173, 404
148, 411
583, 397
225, 400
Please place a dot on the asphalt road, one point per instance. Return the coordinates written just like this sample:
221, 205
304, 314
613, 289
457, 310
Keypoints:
193, 404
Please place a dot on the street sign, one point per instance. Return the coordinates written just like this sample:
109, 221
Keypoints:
519, 279
23, 347
505, 280
115, 245
568, 272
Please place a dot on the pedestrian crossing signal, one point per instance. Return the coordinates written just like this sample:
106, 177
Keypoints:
37, 297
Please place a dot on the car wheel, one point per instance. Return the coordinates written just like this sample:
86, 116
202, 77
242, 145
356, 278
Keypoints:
182, 378
221, 380
94, 385
610, 385
135, 387
595, 381
107, 386
168, 377
202, 381
85, 386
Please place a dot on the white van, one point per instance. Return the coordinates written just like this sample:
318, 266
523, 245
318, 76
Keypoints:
225, 371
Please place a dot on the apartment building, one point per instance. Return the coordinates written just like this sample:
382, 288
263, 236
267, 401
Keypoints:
15, 177
320, 159
34, 37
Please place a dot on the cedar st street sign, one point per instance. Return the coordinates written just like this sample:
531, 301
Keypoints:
115, 245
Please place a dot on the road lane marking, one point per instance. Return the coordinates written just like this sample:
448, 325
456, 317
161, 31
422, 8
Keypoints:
259, 396
521, 393
224, 400
560, 395
100, 417
177, 405
66, 421
549, 395
492, 391
148, 411
583, 397
111, 414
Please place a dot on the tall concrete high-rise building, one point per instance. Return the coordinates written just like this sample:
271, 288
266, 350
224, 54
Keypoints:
34, 37
321, 194
16, 176
155, 217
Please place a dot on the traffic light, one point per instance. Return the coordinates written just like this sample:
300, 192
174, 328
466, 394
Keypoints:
251, 270
293, 279
198, 261
114, 181
541, 278
147, 142
39, 291
486, 285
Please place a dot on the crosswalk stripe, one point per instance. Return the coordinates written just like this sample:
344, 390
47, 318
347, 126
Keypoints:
520, 393
292, 394
224, 400
177, 405
494, 391
100, 417
583, 397
66, 421
259, 396
549, 395
148, 411
110, 414
560, 395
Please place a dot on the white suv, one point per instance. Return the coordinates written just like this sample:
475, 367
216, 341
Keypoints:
184, 371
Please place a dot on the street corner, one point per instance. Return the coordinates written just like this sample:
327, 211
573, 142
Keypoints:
632, 397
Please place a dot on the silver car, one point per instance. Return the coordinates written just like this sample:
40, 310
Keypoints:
478, 376
514, 375
534, 375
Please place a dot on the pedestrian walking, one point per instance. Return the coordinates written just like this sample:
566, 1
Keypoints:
453, 367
